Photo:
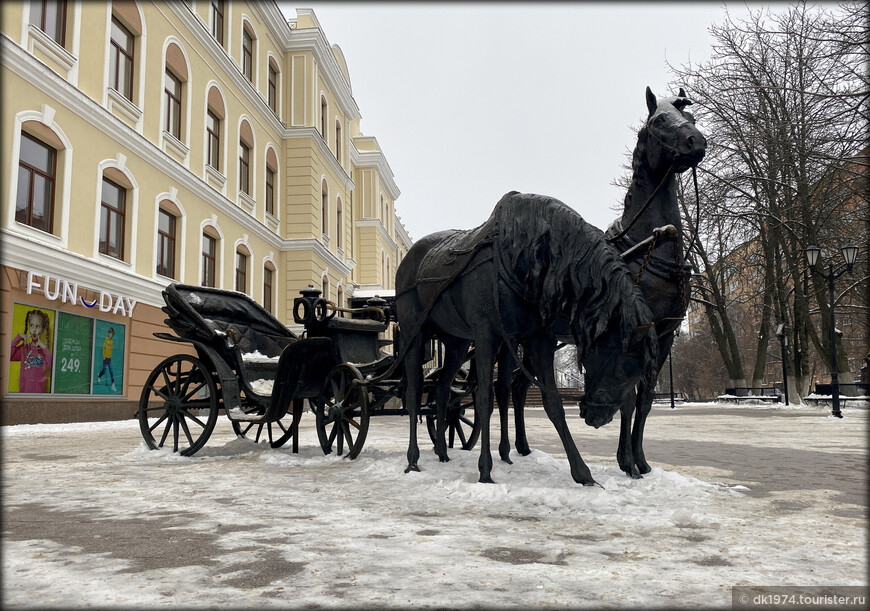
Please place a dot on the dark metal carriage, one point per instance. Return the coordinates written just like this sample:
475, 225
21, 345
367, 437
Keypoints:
260, 374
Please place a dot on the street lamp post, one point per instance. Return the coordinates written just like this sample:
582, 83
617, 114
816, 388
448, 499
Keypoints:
850, 253
671, 367
782, 331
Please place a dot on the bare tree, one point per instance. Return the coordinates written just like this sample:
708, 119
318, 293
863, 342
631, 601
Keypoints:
784, 104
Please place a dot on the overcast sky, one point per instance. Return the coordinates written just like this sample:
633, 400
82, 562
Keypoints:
470, 101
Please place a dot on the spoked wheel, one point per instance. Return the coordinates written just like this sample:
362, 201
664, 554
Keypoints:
342, 412
275, 433
462, 421
178, 405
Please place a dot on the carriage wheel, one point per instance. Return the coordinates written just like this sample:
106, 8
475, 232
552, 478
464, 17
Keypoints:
181, 394
342, 412
462, 421
275, 433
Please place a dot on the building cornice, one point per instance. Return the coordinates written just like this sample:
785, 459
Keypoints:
314, 135
376, 159
312, 245
379, 227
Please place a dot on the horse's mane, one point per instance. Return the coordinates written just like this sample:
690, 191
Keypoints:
551, 256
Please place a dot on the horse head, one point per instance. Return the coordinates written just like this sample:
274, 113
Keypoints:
672, 140
612, 373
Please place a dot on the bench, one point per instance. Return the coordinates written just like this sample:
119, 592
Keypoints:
762, 394
856, 392
665, 397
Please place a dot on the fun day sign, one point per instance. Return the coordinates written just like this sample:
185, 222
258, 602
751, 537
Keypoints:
55, 288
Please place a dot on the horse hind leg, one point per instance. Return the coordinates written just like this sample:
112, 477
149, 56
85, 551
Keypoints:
456, 352
502, 392
413, 395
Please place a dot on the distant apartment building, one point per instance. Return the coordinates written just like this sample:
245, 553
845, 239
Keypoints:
205, 142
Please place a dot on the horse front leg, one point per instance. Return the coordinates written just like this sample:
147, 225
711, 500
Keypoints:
519, 390
542, 356
502, 392
643, 410
625, 454
413, 394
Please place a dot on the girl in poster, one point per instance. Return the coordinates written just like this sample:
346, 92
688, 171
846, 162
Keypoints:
31, 349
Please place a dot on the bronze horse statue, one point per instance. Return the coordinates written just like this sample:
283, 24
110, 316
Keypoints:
534, 268
668, 144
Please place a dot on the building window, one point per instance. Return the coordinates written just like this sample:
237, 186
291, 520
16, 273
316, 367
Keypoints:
209, 260
273, 88
324, 204
213, 127
217, 21
339, 297
244, 168
121, 60
50, 17
267, 288
165, 244
113, 211
270, 191
37, 172
241, 271
324, 287
172, 90
338, 141
339, 225
324, 111
247, 55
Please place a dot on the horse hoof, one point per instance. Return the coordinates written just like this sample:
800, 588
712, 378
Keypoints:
643, 467
485, 479
524, 451
444, 459
412, 468
507, 460
635, 475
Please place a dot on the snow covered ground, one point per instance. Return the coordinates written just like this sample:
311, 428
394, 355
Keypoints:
93, 518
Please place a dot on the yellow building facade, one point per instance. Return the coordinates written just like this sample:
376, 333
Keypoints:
205, 142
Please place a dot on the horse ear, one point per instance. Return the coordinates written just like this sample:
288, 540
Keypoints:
651, 103
682, 93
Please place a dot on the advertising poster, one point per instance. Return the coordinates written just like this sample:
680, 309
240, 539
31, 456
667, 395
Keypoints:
30, 355
108, 370
73, 351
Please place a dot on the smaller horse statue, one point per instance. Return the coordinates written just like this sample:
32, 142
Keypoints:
534, 267
668, 144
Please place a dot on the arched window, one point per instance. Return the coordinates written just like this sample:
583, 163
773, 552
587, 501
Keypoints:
217, 20
324, 286
338, 140
215, 114
339, 224
209, 257
175, 78
242, 256
37, 178
339, 297
324, 113
271, 175
248, 52
113, 218
167, 239
50, 17
246, 143
273, 87
268, 286
324, 208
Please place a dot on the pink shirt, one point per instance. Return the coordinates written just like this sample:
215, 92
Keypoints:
35, 365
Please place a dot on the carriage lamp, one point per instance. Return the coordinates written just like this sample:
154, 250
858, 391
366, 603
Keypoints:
850, 254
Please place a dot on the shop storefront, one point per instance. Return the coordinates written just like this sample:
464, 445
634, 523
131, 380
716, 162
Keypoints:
70, 352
